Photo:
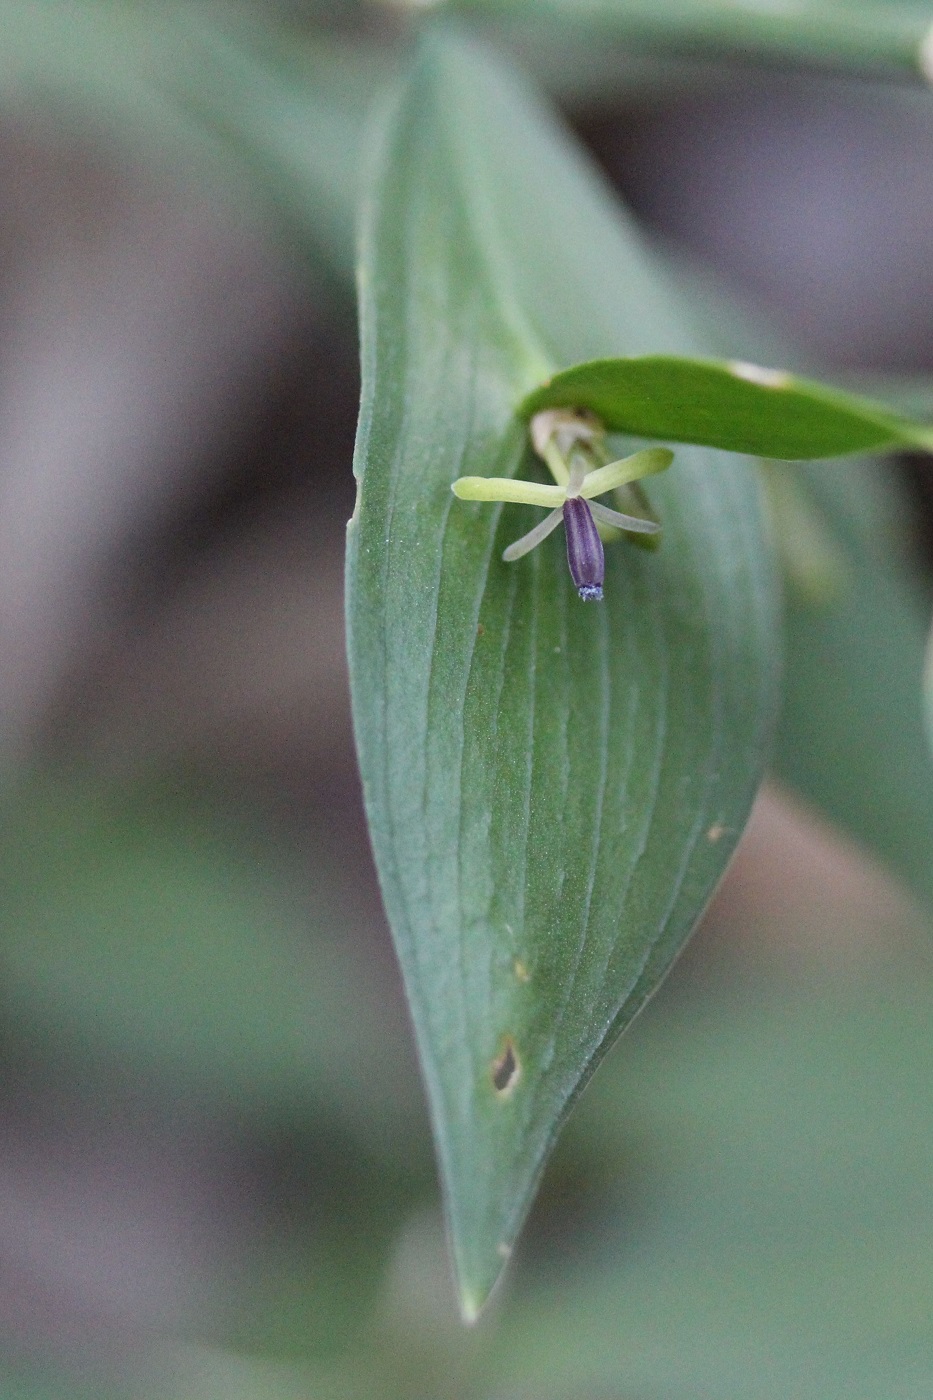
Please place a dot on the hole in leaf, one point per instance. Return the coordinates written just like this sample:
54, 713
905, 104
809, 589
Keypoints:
506, 1069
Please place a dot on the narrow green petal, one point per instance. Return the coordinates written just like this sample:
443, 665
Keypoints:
534, 537
631, 524
503, 488
647, 463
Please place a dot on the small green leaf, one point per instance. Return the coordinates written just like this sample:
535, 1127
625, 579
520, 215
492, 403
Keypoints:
727, 404
553, 788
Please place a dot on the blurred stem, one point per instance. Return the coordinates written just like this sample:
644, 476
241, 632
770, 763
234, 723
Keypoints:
812, 562
893, 40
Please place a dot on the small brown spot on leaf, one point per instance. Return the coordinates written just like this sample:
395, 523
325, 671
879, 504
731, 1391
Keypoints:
716, 833
506, 1069
521, 971
480, 630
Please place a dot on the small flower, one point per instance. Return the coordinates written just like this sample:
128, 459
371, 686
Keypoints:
571, 443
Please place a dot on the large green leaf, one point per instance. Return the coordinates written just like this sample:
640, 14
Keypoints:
553, 787
733, 405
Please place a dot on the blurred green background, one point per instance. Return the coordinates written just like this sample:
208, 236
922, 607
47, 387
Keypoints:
216, 1177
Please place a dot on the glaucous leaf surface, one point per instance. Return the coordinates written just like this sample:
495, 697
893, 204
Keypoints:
553, 788
734, 405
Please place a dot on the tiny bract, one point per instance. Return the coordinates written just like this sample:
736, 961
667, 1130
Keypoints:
572, 443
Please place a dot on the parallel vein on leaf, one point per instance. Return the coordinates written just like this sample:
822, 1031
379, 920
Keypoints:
433, 699
569, 997
710, 743
643, 821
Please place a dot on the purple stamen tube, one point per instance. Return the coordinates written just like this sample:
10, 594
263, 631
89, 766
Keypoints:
584, 549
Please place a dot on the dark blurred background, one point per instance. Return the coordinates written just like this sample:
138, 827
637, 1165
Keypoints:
215, 1171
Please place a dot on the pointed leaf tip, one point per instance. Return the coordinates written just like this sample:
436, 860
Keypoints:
475, 1296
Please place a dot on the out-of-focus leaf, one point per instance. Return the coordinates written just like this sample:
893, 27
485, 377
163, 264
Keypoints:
733, 405
852, 734
774, 1239
908, 393
553, 788
851, 737
292, 112
91, 62
861, 34
762, 1230
928, 688
587, 72
212, 90
212, 1374
136, 928
45, 1382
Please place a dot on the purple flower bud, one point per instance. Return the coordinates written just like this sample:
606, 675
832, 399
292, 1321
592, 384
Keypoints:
584, 548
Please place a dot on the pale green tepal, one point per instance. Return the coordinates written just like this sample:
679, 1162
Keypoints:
571, 442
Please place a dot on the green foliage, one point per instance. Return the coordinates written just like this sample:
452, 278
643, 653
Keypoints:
873, 35
852, 731
143, 930
779, 1249
737, 406
553, 790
